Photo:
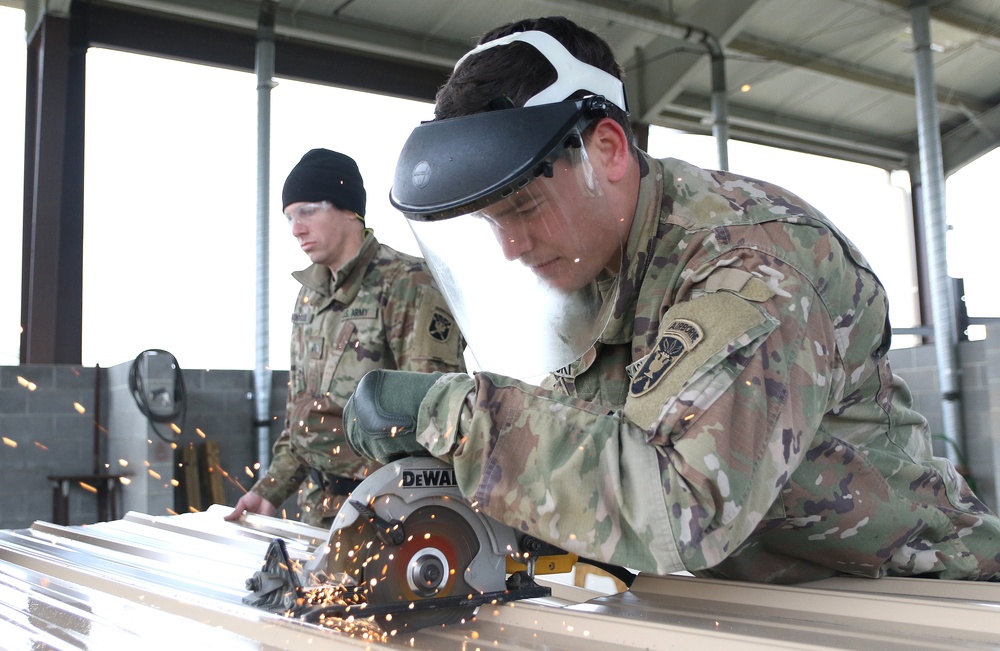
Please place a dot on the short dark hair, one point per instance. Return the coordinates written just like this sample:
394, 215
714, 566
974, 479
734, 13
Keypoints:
518, 71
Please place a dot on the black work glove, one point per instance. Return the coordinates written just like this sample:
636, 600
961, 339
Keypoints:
381, 417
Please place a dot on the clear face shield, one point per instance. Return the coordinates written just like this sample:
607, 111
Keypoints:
519, 239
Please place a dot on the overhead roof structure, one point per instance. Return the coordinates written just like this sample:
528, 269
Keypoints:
828, 77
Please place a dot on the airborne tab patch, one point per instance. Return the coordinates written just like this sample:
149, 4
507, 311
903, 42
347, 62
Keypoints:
677, 340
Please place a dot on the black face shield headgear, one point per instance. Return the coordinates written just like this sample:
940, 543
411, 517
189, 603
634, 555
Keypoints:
458, 166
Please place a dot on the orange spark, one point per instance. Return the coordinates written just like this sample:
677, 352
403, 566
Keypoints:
12, 443
79, 408
29, 385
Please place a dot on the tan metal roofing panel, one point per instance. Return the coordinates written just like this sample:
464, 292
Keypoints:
177, 581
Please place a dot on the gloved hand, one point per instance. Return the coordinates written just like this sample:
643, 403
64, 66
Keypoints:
381, 417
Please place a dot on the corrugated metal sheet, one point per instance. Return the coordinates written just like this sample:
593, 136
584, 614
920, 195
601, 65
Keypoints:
177, 582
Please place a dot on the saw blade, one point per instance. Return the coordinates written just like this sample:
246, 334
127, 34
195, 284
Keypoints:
429, 564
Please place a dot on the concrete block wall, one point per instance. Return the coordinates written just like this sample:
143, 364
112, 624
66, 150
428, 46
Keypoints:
134, 449
47, 428
221, 407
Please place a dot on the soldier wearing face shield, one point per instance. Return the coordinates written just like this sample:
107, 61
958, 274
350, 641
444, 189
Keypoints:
719, 397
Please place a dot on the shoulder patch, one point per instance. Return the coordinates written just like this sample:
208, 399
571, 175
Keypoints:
728, 322
440, 326
435, 334
677, 339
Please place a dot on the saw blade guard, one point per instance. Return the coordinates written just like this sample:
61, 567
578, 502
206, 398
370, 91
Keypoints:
375, 517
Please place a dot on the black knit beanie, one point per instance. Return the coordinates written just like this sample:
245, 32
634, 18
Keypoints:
324, 175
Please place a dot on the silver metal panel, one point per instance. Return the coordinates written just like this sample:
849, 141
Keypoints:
177, 582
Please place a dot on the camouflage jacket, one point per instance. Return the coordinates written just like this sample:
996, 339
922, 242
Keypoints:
737, 418
382, 311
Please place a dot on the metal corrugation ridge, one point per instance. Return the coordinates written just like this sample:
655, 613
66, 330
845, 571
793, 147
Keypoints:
889, 613
176, 582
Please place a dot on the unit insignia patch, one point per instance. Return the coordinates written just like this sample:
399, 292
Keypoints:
440, 327
677, 340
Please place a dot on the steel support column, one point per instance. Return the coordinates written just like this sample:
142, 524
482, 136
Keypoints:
262, 363
52, 248
932, 191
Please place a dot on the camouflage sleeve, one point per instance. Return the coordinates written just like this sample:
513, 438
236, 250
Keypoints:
283, 476
733, 418
719, 414
420, 329
567, 471
286, 471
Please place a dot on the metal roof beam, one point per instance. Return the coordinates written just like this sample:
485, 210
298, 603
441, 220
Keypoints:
124, 28
689, 112
969, 141
987, 29
341, 32
832, 67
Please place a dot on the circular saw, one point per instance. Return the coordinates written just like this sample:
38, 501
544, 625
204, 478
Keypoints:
408, 549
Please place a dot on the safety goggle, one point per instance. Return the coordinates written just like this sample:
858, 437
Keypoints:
305, 213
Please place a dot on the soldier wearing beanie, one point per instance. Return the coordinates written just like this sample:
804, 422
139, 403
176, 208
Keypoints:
362, 306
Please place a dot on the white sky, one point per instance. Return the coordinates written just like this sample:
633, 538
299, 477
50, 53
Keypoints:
170, 205
175, 205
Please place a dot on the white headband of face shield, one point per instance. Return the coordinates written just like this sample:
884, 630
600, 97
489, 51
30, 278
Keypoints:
571, 73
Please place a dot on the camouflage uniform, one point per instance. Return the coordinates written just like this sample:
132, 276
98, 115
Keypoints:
737, 418
382, 311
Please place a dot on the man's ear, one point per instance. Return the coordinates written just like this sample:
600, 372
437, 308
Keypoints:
610, 144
